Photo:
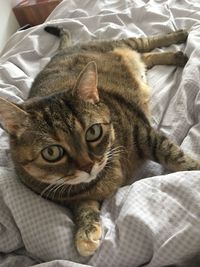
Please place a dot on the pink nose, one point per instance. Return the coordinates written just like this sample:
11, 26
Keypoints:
86, 168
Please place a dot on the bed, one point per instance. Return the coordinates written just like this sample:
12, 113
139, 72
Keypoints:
153, 222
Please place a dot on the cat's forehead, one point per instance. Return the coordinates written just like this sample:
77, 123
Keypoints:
58, 111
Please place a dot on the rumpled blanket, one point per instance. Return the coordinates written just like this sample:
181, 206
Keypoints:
153, 222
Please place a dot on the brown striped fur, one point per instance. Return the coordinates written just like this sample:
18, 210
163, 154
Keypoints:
99, 83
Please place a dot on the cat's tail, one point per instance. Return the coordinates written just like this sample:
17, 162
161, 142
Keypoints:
63, 34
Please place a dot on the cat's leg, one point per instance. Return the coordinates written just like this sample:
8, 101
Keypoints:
154, 145
142, 44
164, 58
146, 44
89, 229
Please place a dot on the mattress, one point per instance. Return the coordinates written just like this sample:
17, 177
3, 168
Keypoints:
152, 222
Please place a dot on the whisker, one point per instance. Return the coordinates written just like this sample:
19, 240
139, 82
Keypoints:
69, 189
46, 189
50, 187
55, 189
113, 154
63, 188
49, 192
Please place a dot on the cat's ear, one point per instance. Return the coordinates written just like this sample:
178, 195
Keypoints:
86, 85
12, 117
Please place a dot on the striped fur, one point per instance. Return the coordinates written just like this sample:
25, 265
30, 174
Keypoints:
101, 84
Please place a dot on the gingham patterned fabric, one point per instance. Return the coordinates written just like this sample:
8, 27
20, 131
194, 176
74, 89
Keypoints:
154, 222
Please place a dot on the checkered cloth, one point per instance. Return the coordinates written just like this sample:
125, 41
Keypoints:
154, 222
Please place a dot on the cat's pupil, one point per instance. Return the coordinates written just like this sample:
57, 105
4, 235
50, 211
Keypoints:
94, 133
50, 151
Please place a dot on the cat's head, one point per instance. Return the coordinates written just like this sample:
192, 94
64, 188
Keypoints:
62, 138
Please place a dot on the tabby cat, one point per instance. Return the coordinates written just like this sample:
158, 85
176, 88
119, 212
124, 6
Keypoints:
85, 127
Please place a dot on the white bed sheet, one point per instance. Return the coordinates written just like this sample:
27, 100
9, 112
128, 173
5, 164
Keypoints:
154, 222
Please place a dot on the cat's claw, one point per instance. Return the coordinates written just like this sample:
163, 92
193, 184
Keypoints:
88, 240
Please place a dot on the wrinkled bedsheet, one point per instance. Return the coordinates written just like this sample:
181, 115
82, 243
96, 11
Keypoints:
155, 221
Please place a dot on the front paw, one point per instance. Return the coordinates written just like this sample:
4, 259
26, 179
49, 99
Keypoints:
88, 239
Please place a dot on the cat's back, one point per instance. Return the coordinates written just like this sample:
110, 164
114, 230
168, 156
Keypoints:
120, 70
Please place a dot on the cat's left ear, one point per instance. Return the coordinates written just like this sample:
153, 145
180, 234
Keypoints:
86, 85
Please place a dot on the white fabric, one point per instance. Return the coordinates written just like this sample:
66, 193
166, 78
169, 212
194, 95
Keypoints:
154, 222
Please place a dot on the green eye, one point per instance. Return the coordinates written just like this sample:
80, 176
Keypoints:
52, 153
94, 133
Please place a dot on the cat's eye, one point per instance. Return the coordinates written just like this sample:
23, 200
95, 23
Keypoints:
94, 133
52, 153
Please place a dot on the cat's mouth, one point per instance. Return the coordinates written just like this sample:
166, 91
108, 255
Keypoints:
82, 177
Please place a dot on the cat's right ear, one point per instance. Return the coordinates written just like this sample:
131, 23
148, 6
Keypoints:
12, 117
86, 85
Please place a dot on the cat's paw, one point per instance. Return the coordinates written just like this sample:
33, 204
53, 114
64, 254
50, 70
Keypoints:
88, 239
180, 36
181, 59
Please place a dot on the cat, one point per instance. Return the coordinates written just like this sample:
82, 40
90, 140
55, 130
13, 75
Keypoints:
85, 127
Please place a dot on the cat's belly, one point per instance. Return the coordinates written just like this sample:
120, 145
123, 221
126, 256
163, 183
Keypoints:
133, 61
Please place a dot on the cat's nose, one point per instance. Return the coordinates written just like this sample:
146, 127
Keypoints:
86, 167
